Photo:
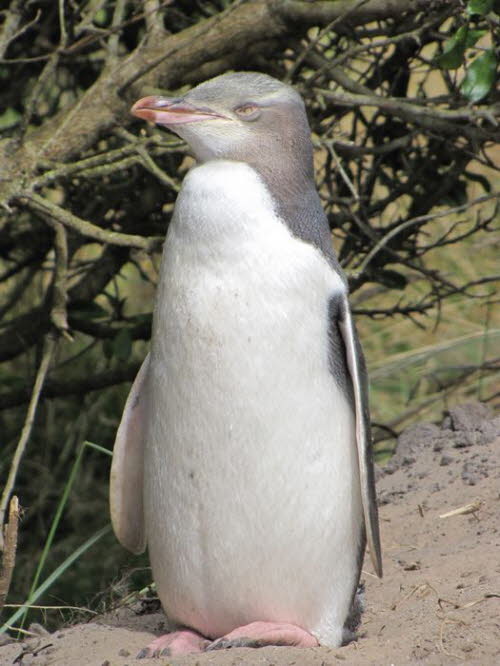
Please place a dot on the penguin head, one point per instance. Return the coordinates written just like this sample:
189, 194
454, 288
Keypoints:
243, 116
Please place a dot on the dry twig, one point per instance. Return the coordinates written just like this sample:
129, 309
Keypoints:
8, 548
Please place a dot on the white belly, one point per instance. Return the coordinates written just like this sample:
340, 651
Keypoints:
252, 498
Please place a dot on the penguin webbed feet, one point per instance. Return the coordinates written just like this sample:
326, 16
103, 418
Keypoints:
253, 635
185, 641
261, 634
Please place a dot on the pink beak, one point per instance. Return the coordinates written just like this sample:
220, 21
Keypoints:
164, 111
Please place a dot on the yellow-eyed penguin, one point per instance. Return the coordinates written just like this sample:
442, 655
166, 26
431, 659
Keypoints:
243, 459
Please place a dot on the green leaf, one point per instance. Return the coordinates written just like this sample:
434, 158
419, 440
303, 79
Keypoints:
9, 118
480, 7
453, 50
101, 17
122, 345
473, 36
479, 77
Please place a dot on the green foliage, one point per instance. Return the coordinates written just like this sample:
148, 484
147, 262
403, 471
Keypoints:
479, 7
101, 17
480, 73
480, 76
454, 48
49, 582
9, 118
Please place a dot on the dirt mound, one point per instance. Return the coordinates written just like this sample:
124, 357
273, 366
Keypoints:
439, 602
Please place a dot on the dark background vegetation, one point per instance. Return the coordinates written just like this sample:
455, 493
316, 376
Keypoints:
404, 109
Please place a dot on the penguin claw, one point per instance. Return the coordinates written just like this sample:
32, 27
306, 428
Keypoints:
223, 643
177, 642
148, 653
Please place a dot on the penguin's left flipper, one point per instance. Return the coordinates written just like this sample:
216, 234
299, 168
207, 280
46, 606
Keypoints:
127, 468
359, 379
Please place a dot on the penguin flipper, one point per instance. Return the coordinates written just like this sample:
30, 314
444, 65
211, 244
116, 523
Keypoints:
127, 468
359, 378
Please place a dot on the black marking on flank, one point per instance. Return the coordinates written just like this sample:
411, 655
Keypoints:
337, 358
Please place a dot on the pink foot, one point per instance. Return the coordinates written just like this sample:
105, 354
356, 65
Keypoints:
178, 642
259, 634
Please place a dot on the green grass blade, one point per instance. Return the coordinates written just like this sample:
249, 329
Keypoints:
55, 523
404, 359
57, 518
54, 576
98, 447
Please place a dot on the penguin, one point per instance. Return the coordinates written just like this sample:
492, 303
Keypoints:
243, 459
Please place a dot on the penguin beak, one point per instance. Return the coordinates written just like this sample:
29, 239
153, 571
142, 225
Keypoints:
169, 112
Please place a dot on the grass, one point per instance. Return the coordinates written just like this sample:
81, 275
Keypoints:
410, 364
51, 579
37, 589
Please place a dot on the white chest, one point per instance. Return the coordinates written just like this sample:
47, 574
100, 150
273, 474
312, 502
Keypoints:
231, 266
250, 453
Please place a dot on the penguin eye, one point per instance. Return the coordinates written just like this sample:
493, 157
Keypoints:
248, 111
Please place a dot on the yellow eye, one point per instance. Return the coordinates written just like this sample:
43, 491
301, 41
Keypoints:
248, 111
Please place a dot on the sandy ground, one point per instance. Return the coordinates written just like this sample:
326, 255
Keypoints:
439, 602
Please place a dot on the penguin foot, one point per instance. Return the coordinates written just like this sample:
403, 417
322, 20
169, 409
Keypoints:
178, 642
260, 634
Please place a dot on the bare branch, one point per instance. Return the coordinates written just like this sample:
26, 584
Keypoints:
421, 220
9, 31
55, 388
442, 120
152, 15
47, 209
48, 352
118, 14
321, 13
110, 161
8, 546
58, 315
